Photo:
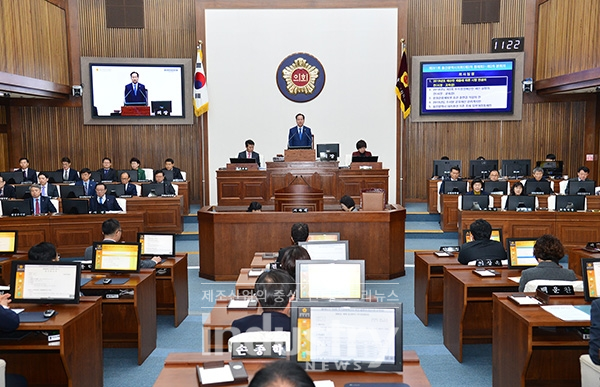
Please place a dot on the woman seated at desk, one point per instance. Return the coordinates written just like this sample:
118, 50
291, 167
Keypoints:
361, 151
517, 189
477, 188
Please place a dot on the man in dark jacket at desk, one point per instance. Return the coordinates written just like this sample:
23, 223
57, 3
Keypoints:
482, 247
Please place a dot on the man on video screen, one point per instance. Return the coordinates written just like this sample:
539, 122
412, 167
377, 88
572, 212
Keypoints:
135, 92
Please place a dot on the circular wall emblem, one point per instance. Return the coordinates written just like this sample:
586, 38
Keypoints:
300, 77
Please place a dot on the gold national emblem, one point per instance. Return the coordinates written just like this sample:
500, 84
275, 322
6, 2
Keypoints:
300, 77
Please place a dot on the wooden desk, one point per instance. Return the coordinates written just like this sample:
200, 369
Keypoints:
575, 256
129, 321
217, 326
161, 214
468, 306
259, 261
172, 288
6, 265
180, 370
183, 190
76, 361
244, 286
531, 347
449, 215
228, 239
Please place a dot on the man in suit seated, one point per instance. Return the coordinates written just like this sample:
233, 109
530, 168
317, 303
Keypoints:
43, 251
249, 153
68, 174
538, 176
454, 176
135, 92
48, 190
299, 135
111, 229
170, 166
594, 350
9, 322
130, 189
107, 173
37, 203
101, 202
159, 178
275, 291
582, 175
7, 190
29, 175
298, 233
89, 185
482, 246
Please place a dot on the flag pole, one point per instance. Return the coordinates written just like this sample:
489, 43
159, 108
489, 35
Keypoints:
202, 148
400, 193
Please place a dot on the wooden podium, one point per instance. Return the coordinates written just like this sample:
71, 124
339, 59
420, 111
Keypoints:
375, 165
299, 155
135, 110
299, 196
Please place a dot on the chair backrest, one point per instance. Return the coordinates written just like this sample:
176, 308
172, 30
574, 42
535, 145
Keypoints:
532, 285
2, 373
55, 204
563, 186
138, 188
257, 337
149, 173
184, 175
123, 203
176, 188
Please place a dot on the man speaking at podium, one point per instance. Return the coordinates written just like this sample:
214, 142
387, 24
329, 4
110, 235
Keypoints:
300, 135
135, 92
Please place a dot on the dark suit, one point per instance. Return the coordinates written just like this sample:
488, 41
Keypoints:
8, 191
9, 320
108, 175
29, 175
46, 205
140, 96
51, 191
295, 140
484, 248
268, 321
109, 204
91, 187
176, 173
595, 332
130, 189
255, 156
73, 175
168, 188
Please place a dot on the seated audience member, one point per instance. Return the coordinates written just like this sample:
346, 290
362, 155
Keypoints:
477, 188
170, 166
548, 251
281, 373
538, 175
9, 322
101, 202
159, 178
361, 149
482, 247
480, 158
107, 172
454, 176
44, 251
254, 207
7, 190
249, 153
582, 175
517, 189
347, 204
68, 174
290, 256
550, 157
494, 175
37, 203
275, 291
29, 175
595, 332
48, 190
111, 229
89, 185
136, 166
299, 233
130, 189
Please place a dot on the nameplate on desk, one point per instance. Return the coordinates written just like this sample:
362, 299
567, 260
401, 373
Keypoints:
546, 292
241, 168
217, 373
259, 350
365, 167
255, 272
443, 254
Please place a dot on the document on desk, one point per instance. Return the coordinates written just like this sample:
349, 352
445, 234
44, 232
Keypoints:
566, 312
515, 279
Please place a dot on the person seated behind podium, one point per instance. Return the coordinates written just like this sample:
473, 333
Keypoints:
111, 229
289, 258
494, 175
39, 204
482, 246
159, 178
9, 322
130, 189
281, 373
517, 189
477, 188
44, 251
89, 185
101, 202
48, 190
299, 135
582, 175
361, 149
548, 251
136, 166
7, 190
538, 176
29, 175
254, 207
249, 153
135, 92
68, 173
347, 204
454, 176
594, 350
107, 173
275, 291
170, 166
299, 233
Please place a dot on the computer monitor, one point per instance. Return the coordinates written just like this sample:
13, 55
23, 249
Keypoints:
468, 202
582, 187
36, 282
117, 190
455, 187
551, 168
328, 152
235, 160
541, 187
520, 203
133, 175
157, 188
590, 269
22, 191
161, 108
351, 336
169, 174
15, 207
75, 206
496, 187
71, 191
156, 244
12, 177
570, 203
116, 257
365, 159
496, 235
516, 168
8, 241
54, 176
520, 252
441, 168
323, 236
482, 168
96, 176
327, 250
330, 280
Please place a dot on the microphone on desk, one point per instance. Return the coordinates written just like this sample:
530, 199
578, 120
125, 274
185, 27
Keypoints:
126, 95
290, 138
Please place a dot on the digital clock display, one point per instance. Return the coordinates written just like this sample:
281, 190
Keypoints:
508, 44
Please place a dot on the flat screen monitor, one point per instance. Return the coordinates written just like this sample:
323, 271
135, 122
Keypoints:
327, 250
116, 257
116, 190
520, 252
15, 207
324, 236
316, 282
156, 188
75, 206
169, 174
441, 168
12, 177
353, 336
71, 191
156, 244
35, 282
131, 172
54, 176
541, 187
551, 168
8, 241
96, 176
570, 203
468, 202
496, 235
455, 187
496, 187
22, 191
235, 160
328, 152
582, 187
520, 203
161, 108
591, 278
365, 159
482, 168
516, 168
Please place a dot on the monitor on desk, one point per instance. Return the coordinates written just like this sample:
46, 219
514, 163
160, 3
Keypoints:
328, 152
75, 206
330, 280
155, 188
541, 187
71, 191
570, 203
116, 257
156, 244
356, 336
441, 168
96, 176
468, 202
590, 269
455, 187
496, 235
12, 177
496, 187
520, 252
133, 174
482, 168
520, 203
116, 190
8, 241
581, 187
22, 191
327, 250
323, 236
54, 176
551, 168
365, 159
15, 207
36, 282
516, 169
